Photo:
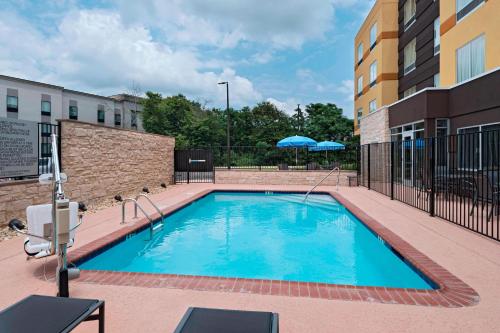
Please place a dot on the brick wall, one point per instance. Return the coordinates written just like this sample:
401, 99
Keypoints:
375, 127
16, 196
280, 177
100, 162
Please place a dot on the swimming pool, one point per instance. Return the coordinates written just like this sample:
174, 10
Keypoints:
256, 235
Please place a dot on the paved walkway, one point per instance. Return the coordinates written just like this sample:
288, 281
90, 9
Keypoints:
472, 258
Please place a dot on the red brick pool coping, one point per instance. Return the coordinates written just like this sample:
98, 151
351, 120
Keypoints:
452, 291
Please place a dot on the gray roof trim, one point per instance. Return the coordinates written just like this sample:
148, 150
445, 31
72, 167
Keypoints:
89, 94
16, 79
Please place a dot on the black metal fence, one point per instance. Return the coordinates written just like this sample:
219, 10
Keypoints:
45, 130
193, 166
454, 177
273, 158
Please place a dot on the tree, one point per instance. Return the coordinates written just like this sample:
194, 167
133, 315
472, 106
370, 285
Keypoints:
326, 122
172, 115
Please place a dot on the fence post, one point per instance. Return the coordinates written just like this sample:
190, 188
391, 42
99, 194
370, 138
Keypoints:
369, 167
432, 164
188, 165
58, 129
392, 169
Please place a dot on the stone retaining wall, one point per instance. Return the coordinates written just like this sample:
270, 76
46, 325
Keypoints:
100, 162
281, 177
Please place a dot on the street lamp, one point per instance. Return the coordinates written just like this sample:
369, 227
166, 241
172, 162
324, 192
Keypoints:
228, 124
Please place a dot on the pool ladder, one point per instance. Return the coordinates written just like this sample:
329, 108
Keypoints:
322, 180
152, 227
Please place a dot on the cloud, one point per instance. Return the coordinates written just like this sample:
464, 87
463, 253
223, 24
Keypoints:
95, 50
346, 88
225, 23
289, 106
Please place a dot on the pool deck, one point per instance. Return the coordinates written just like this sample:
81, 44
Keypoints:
130, 308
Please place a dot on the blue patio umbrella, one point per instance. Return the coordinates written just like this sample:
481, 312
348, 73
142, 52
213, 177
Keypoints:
296, 142
326, 146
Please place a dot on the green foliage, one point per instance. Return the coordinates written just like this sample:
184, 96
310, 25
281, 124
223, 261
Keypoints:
325, 122
261, 126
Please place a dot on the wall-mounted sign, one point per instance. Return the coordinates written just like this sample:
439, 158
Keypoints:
18, 148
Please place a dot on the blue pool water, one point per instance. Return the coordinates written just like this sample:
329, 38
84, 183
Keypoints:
268, 236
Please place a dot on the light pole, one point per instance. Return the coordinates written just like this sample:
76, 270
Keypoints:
228, 124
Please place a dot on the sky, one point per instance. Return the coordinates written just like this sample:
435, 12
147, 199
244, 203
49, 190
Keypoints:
287, 52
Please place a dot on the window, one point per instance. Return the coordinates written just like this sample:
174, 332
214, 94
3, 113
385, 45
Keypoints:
46, 149
465, 7
46, 129
373, 73
46, 108
410, 91
470, 59
100, 116
360, 85
360, 115
410, 9
118, 119
437, 80
410, 56
73, 112
360, 53
372, 106
437, 37
442, 132
12, 104
478, 147
133, 119
490, 142
373, 36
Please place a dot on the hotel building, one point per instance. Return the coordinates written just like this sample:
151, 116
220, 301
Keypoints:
46, 103
448, 71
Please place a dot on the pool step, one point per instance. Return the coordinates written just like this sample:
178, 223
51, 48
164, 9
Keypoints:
322, 204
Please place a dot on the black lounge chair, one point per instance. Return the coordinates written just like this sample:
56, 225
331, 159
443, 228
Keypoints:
48, 314
203, 320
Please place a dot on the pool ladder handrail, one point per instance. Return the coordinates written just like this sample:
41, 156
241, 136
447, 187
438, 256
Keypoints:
136, 204
142, 195
322, 180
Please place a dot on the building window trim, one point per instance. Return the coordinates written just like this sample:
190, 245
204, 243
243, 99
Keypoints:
45, 112
11, 107
410, 67
359, 113
73, 112
469, 43
373, 36
373, 73
470, 8
407, 23
359, 55
437, 37
370, 109
359, 85
118, 119
101, 119
480, 141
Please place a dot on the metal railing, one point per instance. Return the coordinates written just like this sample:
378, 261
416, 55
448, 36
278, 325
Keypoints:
322, 180
142, 195
453, 177
291, 159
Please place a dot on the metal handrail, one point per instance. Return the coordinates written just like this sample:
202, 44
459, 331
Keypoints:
322, 180
142, 195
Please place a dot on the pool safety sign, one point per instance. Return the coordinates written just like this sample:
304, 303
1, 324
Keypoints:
18, 148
